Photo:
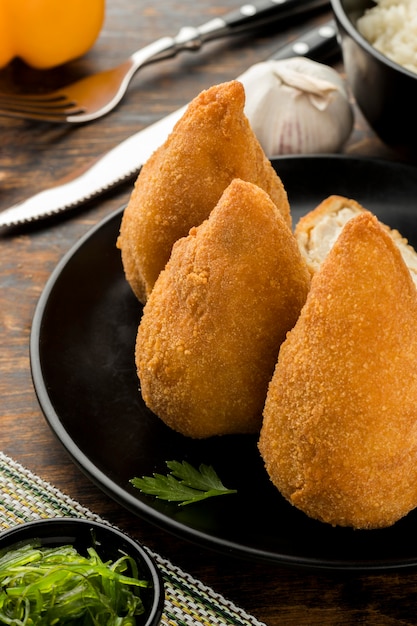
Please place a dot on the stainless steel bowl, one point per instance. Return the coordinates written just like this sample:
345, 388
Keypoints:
385, 92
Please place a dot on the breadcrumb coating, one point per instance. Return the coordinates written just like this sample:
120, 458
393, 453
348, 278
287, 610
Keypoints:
183, 180
210, 333
339, 435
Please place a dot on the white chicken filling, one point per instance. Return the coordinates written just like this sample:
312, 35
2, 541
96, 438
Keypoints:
319, 240
316, 243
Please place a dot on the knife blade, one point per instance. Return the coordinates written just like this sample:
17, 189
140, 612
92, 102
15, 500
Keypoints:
123, 162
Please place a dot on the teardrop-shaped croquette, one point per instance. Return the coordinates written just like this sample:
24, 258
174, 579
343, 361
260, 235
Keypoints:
210, 333
183, 180
339, 436
317, 231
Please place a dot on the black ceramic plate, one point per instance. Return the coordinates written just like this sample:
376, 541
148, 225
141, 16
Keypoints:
82, 357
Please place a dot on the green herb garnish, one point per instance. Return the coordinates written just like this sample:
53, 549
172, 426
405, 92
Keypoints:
184, 484
42, 586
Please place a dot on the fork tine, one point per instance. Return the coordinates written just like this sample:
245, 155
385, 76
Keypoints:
64, 108
53, 106
45, 111
55, 96
34, 115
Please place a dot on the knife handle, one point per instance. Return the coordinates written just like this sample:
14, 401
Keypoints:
319, 43
260, 12
249, 17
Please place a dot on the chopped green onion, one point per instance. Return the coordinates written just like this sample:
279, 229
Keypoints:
42, 586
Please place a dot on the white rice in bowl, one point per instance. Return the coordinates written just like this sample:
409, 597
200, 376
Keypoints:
391, 27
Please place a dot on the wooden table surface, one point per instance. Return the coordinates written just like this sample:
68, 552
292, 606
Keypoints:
33, 156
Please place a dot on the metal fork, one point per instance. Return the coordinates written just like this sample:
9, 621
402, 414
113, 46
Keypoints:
96, 95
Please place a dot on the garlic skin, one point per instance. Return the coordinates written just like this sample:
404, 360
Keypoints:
297, 106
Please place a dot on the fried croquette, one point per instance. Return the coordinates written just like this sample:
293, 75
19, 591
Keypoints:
183, 180
210, 333
339, 435
317, 231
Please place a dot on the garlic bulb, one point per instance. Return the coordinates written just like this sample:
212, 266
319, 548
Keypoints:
297, 106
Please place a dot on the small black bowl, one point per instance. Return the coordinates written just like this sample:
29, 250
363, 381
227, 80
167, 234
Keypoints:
109, 544
385, 92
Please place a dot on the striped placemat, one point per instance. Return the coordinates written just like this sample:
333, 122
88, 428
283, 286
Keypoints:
25, 497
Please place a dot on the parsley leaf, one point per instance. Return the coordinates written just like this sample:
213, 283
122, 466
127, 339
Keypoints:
184, 484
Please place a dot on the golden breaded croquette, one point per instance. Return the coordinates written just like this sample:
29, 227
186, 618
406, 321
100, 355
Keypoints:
317, 231
339, 435
210, 333
183, 180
